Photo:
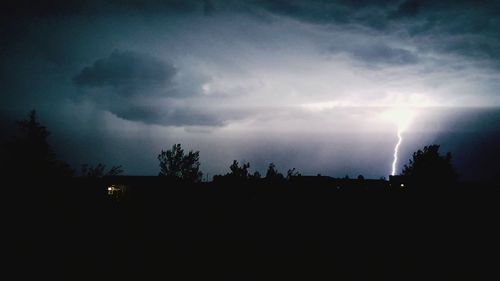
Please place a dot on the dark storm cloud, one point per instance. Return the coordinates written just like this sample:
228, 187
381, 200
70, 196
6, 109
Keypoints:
430, 8
126, 69
358, 11
272, 70
407, 9
169, 116
140, 87
208, 7
466, 28
169, 112
50, 8
322, 11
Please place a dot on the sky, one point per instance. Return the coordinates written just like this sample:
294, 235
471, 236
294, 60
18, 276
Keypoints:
320, 86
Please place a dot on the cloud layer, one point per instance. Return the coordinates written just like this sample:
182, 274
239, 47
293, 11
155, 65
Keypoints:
125, 70
213, 73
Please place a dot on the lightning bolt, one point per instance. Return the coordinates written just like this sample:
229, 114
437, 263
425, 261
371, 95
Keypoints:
396, 149
402, 117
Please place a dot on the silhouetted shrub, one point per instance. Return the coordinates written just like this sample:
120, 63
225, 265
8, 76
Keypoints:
292, 173
272, 173
255, 176
99, 171
238, 172
174, 163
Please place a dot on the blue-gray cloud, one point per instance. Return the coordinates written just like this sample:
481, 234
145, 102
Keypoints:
465, 28
51, 8
168, 116
140, 87
251, 65
377, 54
126, 70
384, 54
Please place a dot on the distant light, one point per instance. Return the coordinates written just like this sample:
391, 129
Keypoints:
112, 189
402, 185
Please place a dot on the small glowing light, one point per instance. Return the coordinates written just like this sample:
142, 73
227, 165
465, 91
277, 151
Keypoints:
112, 189
402, 185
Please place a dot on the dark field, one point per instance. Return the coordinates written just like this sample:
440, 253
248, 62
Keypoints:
250, 231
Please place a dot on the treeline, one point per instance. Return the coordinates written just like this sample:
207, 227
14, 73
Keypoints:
28, 154
182, 166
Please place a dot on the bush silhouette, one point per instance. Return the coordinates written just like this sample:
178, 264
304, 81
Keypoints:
272, 173
99, 171
174, 163
238, 172
292, 173
255, 176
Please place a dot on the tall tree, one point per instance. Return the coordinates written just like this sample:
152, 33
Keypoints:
29, 153
427, 166
174, 163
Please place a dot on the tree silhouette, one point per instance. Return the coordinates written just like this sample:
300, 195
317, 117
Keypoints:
99, 171
292, 173
272, 173
427, 166
29, 153
238, 172
174, 163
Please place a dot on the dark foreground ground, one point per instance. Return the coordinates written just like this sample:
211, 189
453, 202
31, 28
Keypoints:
74, 230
